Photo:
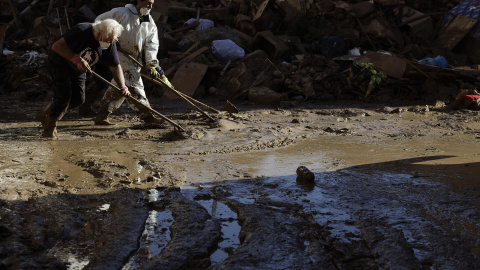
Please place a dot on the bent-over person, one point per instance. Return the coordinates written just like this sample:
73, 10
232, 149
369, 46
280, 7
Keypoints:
68, 60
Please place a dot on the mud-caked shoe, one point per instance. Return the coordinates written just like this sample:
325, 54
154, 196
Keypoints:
102, 119
43, 115
50, 129
50, 133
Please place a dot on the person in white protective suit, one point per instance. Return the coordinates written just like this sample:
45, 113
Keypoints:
140, 38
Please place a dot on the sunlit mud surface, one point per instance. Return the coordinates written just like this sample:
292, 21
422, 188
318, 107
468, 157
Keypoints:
395, 188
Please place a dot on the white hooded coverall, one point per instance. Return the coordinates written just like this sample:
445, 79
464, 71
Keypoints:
135, 37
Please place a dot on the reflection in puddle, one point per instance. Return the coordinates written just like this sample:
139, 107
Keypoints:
139, 167
155, 236
152, 195
229, 224
75, 260
324, 209
104, 207
230, 229
75, 263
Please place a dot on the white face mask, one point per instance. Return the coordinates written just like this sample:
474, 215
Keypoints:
104, 45
144, 11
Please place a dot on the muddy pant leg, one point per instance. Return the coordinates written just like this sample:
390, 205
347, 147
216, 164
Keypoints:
96, 88
134, 82
144, 113
138, 92
78, 91
98, 91
139, 110
91, 94
63, 78
61, 75
112, 100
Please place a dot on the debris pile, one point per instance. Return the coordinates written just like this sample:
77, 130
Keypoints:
272, 52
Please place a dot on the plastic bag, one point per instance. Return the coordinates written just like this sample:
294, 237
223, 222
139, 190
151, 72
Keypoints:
438, 61
227, 50
354, 51
202, 23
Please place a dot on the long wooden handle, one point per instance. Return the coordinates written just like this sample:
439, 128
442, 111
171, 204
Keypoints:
184, 96
180, 94
136, 101
159, 82
198, 102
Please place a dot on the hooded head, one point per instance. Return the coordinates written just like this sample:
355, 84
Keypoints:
143, 7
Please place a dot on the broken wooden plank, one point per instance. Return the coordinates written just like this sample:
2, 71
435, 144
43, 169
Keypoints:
390, 65
24, 11
452, 33
50, 5
273, 45
420, 26
186, 52
3, 32
260, 10
365, 33
389, 2
203, 10
14, 13
187, 58
187, 79
248, 39
173, 32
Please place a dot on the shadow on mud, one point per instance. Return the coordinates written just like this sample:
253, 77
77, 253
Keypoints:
51, 231
407, 214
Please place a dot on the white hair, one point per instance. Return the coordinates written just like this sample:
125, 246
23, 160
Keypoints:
107, 28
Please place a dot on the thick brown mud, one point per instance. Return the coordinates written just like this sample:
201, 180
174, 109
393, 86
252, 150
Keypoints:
395, 187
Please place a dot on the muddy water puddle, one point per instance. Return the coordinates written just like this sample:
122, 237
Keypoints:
416, 157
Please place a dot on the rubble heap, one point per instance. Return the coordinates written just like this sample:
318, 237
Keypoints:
273, 52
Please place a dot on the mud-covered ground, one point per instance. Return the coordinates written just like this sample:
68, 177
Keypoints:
396, 187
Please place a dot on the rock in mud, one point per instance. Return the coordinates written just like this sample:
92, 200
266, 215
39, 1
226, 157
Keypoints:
305, 175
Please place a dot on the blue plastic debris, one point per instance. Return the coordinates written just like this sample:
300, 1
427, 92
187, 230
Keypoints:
438, 61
